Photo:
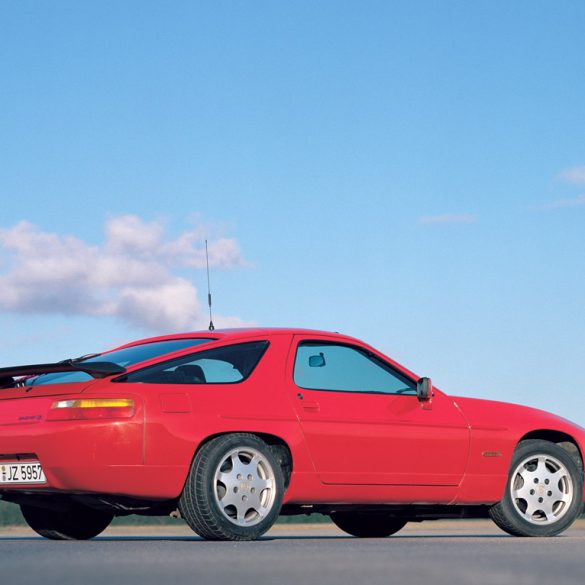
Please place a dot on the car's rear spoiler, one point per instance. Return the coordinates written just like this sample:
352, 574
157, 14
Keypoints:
94, 369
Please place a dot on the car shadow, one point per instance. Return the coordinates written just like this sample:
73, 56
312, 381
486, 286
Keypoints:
264, 539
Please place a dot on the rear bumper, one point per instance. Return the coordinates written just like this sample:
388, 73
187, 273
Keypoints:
151, 483
97, 456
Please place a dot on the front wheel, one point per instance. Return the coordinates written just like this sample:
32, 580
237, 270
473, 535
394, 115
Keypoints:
367, 524
544, 492
234, 489
76, 522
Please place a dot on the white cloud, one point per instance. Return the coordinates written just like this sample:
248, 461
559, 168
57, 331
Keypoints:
449, 218
562, 203
132, 276
130, 234
173, 303
573, 176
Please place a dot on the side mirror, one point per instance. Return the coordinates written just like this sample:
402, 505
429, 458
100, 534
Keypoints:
317, 361
424, 389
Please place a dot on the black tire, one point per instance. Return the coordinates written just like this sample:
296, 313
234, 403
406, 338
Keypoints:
234, 489
77, 522
367, 524
544, 491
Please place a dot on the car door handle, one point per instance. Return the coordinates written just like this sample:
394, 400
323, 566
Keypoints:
308, 406
311, 406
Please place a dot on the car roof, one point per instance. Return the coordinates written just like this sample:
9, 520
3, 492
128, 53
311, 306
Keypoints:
239, 333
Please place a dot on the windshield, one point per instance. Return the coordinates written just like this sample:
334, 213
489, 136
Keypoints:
123, 357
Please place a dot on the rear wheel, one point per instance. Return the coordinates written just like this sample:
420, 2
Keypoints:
367, 524
76, 522
544, 492
234, 489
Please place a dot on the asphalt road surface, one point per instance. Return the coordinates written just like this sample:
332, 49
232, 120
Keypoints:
433, 553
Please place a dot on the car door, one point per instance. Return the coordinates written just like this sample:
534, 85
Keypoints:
363, 423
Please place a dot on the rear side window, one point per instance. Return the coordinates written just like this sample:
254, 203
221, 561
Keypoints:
224, 365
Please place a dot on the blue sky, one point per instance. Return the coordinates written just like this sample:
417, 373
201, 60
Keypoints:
409, 173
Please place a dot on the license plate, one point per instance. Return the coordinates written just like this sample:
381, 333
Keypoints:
17, 472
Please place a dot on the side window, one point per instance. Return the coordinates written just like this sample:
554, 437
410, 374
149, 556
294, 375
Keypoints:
341, 368
223, 365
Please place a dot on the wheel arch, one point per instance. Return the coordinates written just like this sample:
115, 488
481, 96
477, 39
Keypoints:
563, 440
280, 449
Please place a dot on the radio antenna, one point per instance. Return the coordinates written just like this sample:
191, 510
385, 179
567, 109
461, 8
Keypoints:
211, 326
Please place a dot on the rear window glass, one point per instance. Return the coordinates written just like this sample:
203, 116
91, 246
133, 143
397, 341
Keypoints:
223, 365
125, 357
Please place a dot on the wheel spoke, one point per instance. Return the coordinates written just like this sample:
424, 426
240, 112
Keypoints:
531, 508
547, 509
522, 493
230, 499
527, 475
557, 476
557, 494
262, 484
237, 466
254, 502
562, 498
241, 509
541, 468
225, 478
255, 461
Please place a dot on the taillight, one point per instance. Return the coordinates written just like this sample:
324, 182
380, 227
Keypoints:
91, 409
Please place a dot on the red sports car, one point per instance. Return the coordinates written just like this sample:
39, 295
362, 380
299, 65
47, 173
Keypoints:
231, 428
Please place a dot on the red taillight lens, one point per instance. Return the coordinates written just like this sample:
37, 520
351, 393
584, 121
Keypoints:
91, 409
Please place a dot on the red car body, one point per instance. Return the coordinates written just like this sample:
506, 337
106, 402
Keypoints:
351, 448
